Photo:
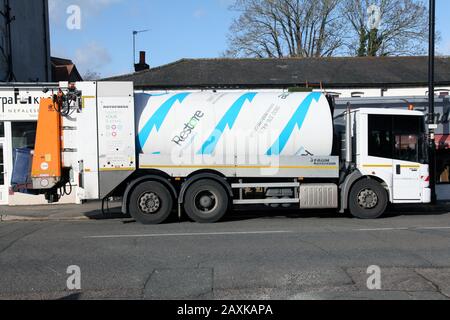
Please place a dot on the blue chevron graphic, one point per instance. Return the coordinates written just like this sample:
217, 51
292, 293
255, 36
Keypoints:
297, 120
158, 118
228, 120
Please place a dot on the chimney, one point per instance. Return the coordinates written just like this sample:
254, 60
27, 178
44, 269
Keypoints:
142, 65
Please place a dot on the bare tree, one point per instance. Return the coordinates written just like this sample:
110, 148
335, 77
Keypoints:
317, 28
403, 27
286, 28
91, 75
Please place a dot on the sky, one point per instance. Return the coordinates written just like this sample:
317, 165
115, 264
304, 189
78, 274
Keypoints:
101, 40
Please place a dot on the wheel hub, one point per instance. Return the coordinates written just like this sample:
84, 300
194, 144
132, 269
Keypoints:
149, 203
206, 201
367, 199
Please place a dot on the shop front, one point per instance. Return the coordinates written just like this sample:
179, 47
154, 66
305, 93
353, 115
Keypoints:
18, 122
3, 175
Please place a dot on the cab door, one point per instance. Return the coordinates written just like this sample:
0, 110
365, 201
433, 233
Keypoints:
409, 153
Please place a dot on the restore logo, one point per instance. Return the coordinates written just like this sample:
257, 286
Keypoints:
188, 128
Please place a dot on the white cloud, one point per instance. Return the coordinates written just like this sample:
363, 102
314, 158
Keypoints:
199, 13
92, 56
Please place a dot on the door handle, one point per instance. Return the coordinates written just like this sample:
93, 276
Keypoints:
399, 169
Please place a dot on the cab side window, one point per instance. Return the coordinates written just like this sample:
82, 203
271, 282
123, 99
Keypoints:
397, 137
380, 136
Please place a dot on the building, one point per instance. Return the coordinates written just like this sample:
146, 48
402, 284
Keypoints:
26, 68
19, 112
18, 116
367, 76
24, 41
64, 70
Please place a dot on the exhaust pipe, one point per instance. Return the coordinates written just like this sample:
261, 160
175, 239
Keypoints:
348, 138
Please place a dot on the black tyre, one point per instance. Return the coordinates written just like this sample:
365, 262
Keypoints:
206, 201
368, 199
151, 203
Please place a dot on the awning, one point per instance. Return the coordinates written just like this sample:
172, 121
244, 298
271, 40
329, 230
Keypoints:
443, 142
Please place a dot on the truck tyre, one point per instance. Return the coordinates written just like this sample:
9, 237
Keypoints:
206, 201
151, 203
368, 199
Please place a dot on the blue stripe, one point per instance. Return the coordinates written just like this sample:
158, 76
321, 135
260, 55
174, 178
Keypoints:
157, 120
297, 120
228, 120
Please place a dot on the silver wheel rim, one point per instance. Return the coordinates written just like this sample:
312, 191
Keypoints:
149, 203
367, 199
205, 201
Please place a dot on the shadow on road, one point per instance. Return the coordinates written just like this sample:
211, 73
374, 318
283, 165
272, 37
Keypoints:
416, 210
263, 212
74, 297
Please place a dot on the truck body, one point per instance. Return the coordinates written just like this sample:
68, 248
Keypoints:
203, 153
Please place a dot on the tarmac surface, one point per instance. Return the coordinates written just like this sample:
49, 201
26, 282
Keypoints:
251, 255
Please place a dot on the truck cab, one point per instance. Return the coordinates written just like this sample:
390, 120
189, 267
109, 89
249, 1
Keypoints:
389, 148
395, 150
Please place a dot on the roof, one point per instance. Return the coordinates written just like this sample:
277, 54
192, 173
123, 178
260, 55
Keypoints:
336, 72
64, 70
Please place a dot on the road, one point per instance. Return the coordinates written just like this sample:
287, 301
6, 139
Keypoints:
250, 256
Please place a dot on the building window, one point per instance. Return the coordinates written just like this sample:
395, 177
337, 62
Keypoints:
444, 175
23, 135
2, 166
443, 166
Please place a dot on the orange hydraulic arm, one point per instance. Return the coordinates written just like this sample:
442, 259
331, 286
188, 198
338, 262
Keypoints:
46, 168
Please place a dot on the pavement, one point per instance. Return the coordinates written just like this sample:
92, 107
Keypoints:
251, 255
58, 212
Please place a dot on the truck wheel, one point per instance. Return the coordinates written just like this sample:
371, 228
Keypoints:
368, 199
206, 201
151, 203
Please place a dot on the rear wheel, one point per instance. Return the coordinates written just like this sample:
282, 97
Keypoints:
151, 203
206, 201
368, 199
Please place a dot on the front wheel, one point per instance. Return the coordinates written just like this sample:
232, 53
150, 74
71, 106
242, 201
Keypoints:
368, 199
206, 201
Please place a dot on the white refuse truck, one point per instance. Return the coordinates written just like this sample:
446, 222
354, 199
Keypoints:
202, 153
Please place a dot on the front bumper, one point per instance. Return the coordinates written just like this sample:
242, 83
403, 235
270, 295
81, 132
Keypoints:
426, 195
